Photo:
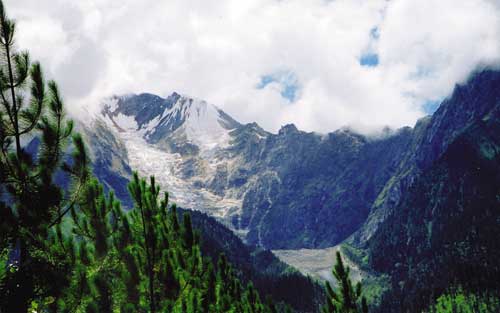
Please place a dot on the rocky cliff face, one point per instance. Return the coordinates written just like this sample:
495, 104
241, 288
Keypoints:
322, 188
443, 233
477, 99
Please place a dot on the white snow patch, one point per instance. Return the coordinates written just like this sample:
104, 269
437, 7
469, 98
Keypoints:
125, 122
203, 126
259, 136
149, 160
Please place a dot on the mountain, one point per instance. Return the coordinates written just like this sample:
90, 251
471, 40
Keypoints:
324, 188
251, 180
443, 232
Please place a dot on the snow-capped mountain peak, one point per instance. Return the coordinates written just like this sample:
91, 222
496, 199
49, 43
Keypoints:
204, 124
156, 119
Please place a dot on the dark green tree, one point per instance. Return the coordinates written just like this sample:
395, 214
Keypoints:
348, 298
32, 204
98, 224
147, 210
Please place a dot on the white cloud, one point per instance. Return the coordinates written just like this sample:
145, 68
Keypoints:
219, 50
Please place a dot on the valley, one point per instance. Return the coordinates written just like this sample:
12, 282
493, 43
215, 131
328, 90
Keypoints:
317, 263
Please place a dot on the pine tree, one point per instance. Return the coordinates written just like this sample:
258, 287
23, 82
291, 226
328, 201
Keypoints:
32, 203
146, 201
97, 221
348, 299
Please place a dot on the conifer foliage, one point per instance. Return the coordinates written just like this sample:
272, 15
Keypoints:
32, 205
348, 298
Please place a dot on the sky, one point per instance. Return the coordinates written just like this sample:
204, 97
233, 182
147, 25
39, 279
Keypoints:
318, 64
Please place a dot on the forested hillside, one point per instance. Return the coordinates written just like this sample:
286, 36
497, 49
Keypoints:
444, 232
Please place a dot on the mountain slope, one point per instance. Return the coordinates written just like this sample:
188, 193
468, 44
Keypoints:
471, 101
323, 188
434, 225
268, 274
444, 231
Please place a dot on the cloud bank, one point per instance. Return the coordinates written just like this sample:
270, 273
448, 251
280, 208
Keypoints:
319, 64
